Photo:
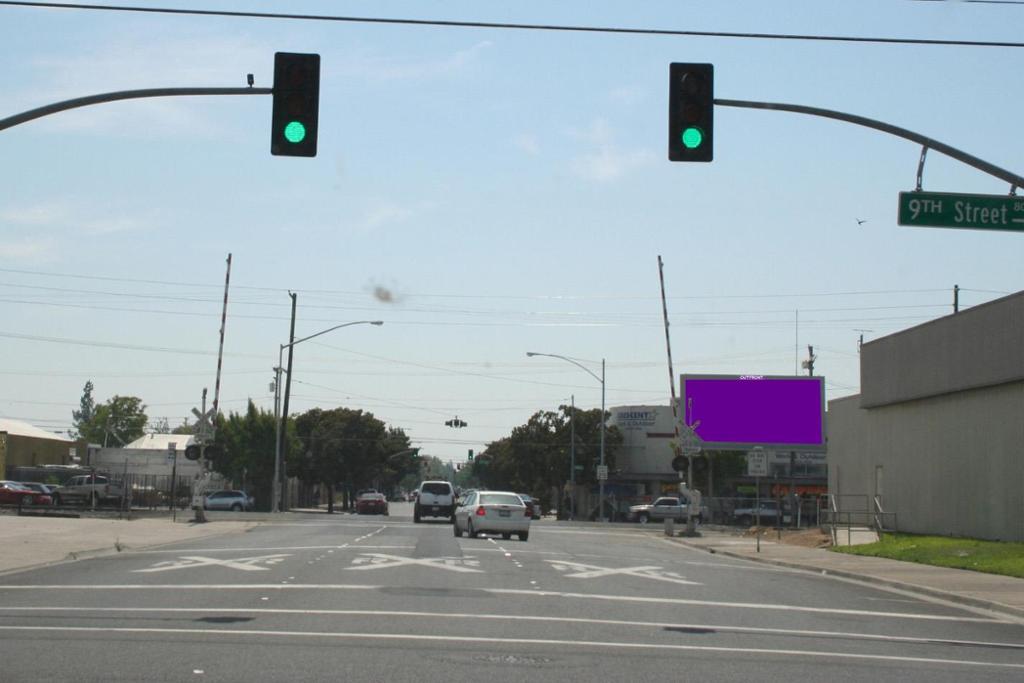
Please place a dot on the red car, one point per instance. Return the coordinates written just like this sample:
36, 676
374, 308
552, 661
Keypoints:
13, 493
372, 504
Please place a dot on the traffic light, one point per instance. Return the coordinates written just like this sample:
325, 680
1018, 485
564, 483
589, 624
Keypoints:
471, 455
691, 104
213, 453
449, 423
296, 104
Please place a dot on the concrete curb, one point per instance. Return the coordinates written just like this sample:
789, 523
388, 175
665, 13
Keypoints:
116, 549
989, 605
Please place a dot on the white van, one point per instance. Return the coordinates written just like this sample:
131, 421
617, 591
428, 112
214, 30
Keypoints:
435, 499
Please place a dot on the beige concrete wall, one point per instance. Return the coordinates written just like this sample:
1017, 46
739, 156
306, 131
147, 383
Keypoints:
974, 348
950, 464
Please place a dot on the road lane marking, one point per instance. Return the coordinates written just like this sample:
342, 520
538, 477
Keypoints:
505, 641
720, 628
283, 547
660, 601
245, 564
383, 561
590, 571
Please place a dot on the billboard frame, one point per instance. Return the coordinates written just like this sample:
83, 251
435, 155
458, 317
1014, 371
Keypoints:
747, 445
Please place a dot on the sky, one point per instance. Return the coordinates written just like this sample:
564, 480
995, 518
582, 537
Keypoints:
485, 193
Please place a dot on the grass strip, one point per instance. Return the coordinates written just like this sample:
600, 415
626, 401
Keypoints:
991, 557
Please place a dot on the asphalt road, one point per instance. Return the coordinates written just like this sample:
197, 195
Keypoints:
382, 599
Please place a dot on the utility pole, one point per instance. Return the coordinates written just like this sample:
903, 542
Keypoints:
572, 457
809, 363
284, 409
956, 298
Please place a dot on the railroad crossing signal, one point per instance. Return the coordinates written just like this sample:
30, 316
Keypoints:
296, 104
691, 104
456, 423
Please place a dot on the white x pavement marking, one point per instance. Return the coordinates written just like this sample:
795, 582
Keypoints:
591, 571
245, 564
382, 561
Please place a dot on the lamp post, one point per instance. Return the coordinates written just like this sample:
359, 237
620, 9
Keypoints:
280, 419
600, 495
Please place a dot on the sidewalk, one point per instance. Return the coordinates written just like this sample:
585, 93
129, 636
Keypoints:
30, 542
1002, 594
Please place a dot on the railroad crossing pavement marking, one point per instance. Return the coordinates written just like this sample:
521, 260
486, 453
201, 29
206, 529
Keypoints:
592, 571
245, 564
382, 561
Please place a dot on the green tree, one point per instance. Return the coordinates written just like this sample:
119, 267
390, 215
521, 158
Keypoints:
117, 422
248, 443
82, 416
535, 457
346, 446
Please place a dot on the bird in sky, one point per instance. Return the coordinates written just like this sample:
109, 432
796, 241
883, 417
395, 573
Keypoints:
861, 222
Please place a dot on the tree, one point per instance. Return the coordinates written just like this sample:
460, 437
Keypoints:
120, 420
160, 426
248, 450
84, 414
347, 446
535, 458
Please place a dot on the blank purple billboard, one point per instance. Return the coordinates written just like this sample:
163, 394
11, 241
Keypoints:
735, 412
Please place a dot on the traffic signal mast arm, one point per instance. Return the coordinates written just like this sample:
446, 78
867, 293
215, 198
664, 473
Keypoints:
926, 142
56, 107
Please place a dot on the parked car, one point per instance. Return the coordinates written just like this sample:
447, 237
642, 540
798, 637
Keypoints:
45, 489
769, 509
371, 504
229, 500
532, 506
666, 507
500, 512
95, 489
435, 499
16, 493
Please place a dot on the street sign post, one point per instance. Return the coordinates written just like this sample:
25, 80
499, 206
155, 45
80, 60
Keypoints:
757, 467
757, 463
966, 211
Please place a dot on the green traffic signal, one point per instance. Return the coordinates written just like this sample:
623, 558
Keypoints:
295, 132
692, 137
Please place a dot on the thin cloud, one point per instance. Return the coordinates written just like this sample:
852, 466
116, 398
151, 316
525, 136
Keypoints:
126, 64
528, 143
390, 68
605, 162
28, 251
64, 217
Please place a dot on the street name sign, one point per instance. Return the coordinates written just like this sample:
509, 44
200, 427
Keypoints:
968, 211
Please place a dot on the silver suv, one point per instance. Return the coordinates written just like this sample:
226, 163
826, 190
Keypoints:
435, 499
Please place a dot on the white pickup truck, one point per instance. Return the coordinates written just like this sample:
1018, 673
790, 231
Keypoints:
89, 489
666, 507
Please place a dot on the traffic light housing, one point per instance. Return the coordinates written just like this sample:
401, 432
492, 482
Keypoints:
691, 105
296, 104
471, 455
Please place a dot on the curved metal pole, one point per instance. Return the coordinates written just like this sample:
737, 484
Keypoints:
600, 494
924, 140
56, 107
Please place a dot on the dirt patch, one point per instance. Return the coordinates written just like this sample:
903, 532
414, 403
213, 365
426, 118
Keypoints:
805, 538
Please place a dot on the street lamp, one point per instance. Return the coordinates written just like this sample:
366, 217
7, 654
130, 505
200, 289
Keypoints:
279, 419
600, 495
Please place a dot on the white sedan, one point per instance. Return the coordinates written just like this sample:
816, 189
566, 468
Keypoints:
498, 512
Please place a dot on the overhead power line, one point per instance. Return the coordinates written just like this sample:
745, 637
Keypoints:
437, 23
